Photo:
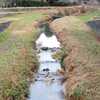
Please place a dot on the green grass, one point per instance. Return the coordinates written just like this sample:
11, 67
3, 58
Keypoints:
90, 15
88, 37
4, 36
18, 22
81, 31
17, 57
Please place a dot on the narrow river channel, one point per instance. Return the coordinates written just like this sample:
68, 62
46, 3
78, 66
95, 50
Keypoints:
47, 85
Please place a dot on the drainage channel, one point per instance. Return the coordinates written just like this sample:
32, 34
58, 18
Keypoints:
48, 82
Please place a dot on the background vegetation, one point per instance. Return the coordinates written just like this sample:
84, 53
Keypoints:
30, 3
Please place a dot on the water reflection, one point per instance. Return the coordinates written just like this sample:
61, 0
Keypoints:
47, 85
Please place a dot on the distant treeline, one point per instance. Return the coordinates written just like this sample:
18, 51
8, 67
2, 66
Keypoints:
28, 3
15, 3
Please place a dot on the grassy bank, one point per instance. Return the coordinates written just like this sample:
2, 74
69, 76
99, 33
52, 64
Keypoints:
17, 56
83, 56
90, 15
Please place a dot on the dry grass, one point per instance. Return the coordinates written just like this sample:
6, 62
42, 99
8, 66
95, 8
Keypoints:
83, 61
17, 56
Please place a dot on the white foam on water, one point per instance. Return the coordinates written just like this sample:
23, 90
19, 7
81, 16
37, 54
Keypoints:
50, 42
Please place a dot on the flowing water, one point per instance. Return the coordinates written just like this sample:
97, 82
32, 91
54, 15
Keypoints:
47, 85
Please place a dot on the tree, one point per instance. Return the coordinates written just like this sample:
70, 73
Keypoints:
50, 1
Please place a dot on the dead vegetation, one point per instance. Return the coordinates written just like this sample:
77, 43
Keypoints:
18, 60
82, 65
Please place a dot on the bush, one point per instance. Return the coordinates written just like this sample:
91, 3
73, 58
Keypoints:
27, 3
60, 56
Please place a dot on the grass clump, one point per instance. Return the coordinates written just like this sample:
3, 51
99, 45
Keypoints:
3, 36
61, 55
78, 93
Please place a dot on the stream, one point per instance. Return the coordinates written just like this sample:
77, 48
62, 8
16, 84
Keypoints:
47, 85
